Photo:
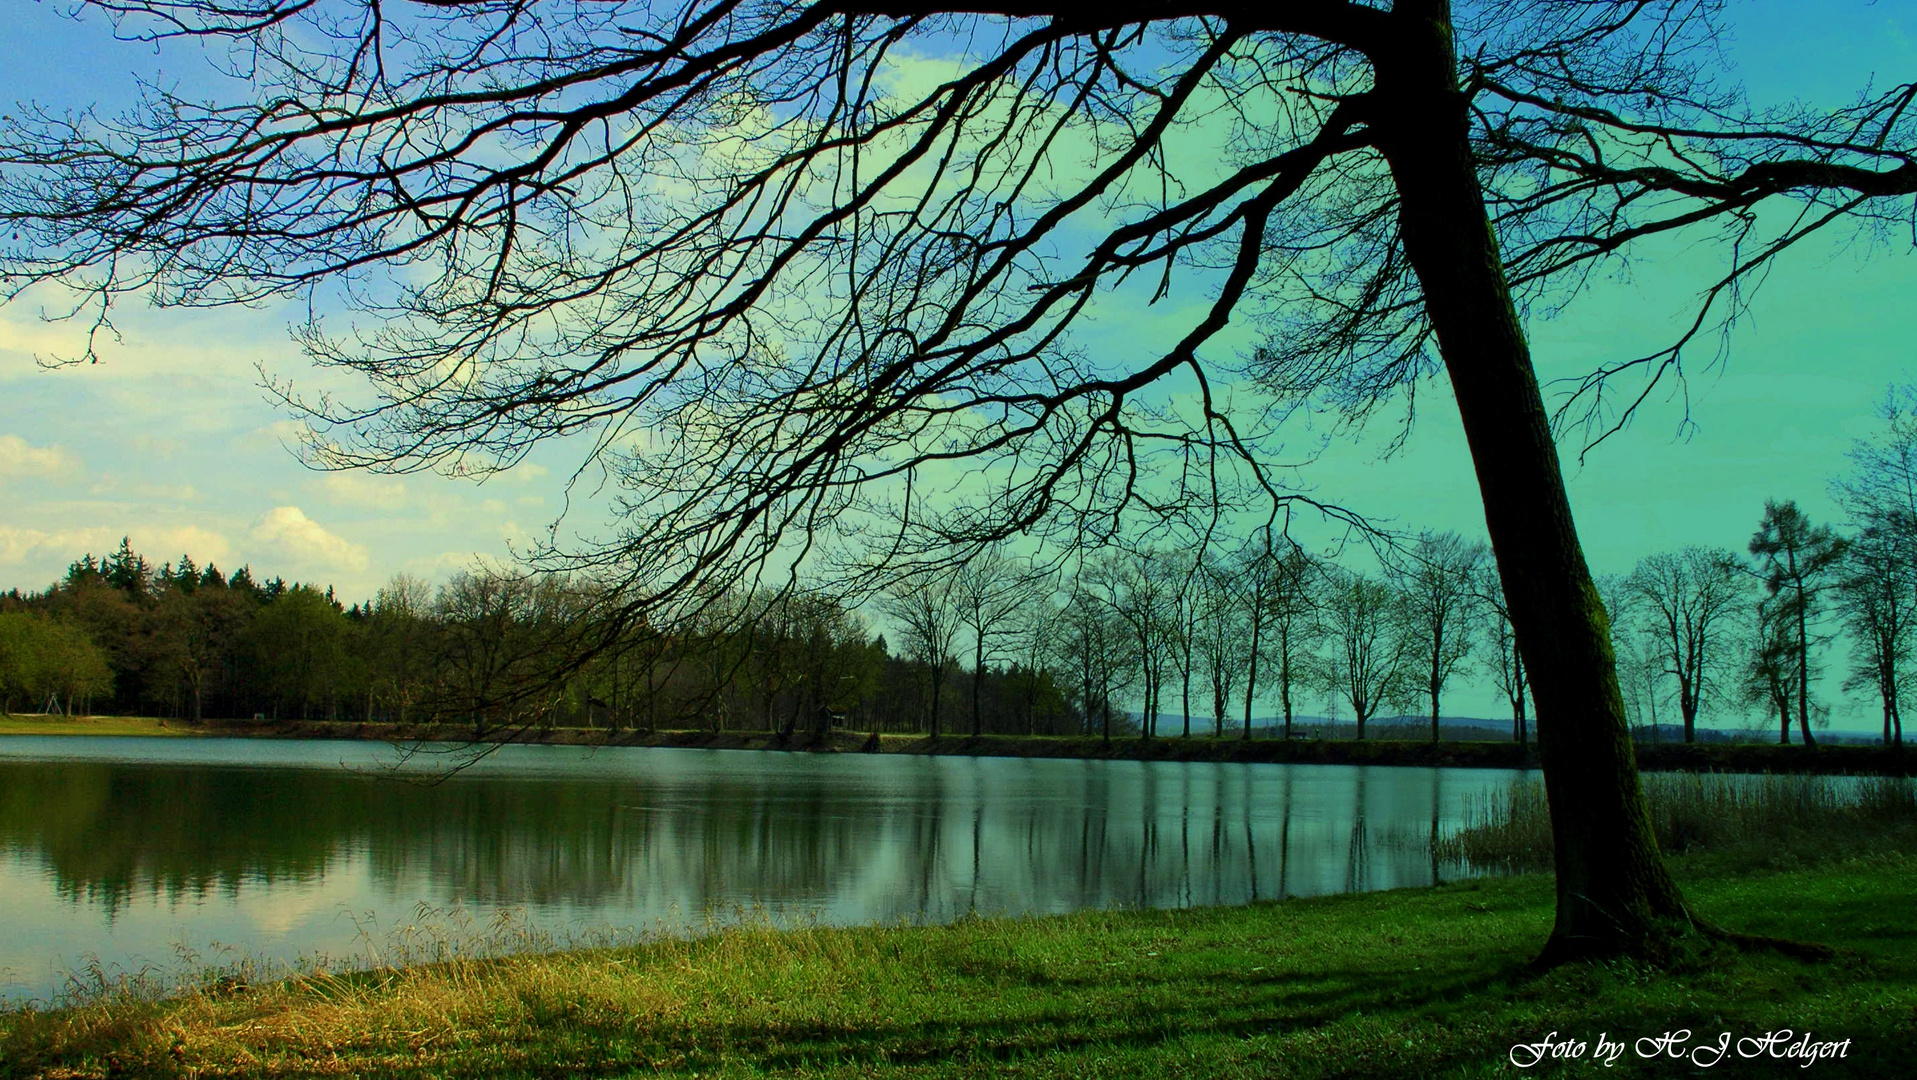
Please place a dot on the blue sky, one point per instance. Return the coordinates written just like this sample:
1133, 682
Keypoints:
171, 440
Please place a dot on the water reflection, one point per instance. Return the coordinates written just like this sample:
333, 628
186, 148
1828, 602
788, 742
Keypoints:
264, 845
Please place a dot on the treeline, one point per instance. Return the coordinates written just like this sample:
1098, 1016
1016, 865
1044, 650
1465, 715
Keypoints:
1142, 642
1708, 630
117, 634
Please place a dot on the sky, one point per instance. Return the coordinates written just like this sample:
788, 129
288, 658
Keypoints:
171, 440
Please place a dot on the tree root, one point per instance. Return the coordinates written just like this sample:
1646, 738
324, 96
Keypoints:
1664, 949
1800, 950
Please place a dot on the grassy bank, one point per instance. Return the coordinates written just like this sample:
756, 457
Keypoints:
1701, 757
93, 725
1412, 983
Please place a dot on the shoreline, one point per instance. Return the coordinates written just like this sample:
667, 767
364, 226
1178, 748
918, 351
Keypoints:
1423, 981
1664, 757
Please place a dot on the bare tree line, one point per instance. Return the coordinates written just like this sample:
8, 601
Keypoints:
1000, 646
1706, 628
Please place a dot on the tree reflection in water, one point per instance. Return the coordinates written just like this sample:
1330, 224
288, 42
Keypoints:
633, 837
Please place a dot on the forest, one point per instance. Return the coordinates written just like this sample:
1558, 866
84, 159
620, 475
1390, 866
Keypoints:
1131, 643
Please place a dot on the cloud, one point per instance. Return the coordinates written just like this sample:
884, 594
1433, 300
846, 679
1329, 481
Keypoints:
281, 433
361, 489
204, 545
524, 473
18, 545
19, 458
305, 540
158, 544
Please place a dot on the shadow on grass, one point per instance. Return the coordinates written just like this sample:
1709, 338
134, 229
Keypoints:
1202, 1011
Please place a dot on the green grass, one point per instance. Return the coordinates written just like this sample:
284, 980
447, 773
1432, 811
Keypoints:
15, 724
1412, 983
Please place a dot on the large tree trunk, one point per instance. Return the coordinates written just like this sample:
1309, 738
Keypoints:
1614, 894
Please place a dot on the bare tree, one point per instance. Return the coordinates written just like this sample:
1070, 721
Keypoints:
989, 590
1771, 664
1138, 593
1220, 629
401, 644
1877, 597
1096, 648
1255, 578
485, 617
1435, 580
1797, 561
1878, 593
1882, 486
1184, 574
1368, 644
1507, 663
1693, 600
1292, 608
1036, 636
928, 618
811, 285
1275, 585
1640, 665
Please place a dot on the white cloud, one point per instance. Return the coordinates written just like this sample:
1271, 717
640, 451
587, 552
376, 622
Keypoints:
158, 543
523, 473
305, 540
19, 458
18, 545
279, 433
169, 544
362, 489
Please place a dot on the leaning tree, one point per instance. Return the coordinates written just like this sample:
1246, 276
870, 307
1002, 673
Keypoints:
809, 276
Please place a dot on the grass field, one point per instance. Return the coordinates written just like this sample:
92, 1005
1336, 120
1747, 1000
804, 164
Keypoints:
1412, 983
91, 725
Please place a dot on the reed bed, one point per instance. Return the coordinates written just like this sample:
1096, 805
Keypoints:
1697, 813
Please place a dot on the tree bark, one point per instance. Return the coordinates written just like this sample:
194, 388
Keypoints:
978, 682
1614, 893
1803, 656
1435, 687
1251, 675
1687, 706
1184, 689
1284, 684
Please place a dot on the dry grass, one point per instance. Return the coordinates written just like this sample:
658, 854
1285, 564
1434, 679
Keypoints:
1413, 983
1691, 812
31, 724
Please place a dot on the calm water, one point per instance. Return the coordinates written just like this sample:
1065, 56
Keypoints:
130, 849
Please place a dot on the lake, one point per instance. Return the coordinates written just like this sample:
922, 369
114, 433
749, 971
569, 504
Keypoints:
123, 854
